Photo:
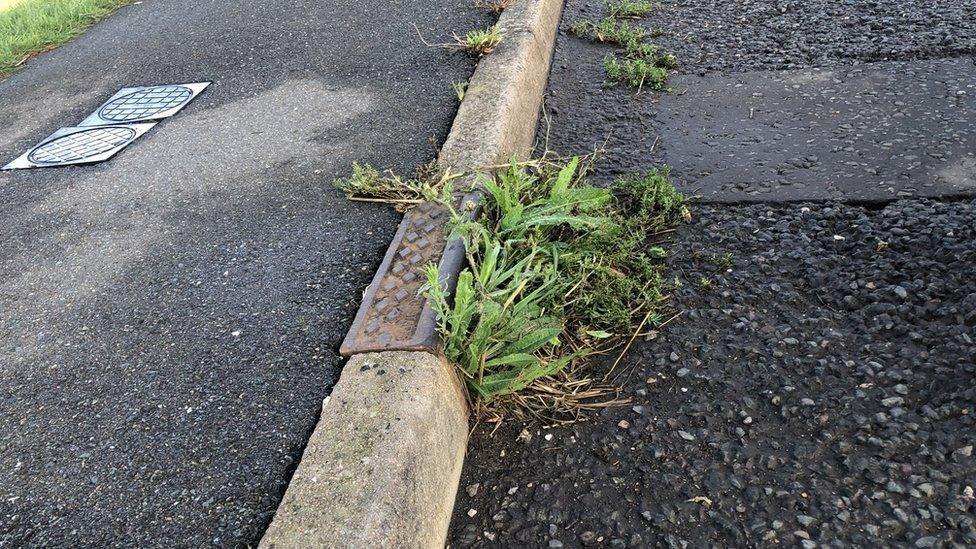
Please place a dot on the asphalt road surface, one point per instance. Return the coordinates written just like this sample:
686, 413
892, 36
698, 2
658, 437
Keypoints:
169, 320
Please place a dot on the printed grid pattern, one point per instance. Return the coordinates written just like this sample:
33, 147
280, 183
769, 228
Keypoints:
145, 103
81, 145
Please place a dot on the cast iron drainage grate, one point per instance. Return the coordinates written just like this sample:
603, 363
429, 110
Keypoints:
111, 128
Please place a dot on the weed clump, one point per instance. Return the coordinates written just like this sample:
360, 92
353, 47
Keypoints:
643, 63
481, 42
367, 184
636, 73
556, 268
609, 31
629, 8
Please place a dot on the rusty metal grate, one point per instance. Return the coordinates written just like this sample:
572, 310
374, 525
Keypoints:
392, 315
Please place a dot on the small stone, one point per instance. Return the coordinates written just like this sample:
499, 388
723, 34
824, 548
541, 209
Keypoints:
965, 451
901, 389
686, 435
808, 544
900, 514
624, 424
927, 541
805, 520
894, 487
801, 534
892, 401
472, 489
555, 543
901, 292
682, 372
472, 512
807, 402
926, 489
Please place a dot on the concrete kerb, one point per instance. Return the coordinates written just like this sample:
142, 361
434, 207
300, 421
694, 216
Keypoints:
382, 467
501, 106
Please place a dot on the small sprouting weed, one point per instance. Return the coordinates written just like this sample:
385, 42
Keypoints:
705, 283
460, 88
723, 262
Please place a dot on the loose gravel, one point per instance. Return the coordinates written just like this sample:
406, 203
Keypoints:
819, 389
745, 35
834, 131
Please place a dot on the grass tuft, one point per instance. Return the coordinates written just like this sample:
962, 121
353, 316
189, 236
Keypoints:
29, 27
481, 42
609, 31
636, 73
629, 8
643, 63
556, 268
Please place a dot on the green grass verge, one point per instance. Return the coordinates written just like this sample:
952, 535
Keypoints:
28, 27
556, 268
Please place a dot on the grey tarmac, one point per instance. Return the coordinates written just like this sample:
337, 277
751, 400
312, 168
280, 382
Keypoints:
170, 319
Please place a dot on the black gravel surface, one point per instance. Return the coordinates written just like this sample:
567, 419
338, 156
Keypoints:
745, 35
870, 132
169, 320
819, 391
